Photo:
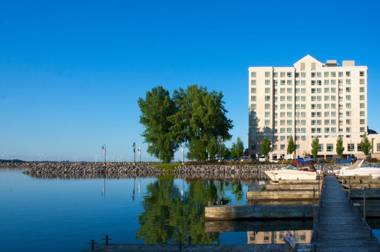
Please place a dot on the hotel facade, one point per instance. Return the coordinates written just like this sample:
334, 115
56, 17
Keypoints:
307, 100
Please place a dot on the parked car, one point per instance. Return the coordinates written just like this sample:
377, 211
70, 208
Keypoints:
262, 158
245, 159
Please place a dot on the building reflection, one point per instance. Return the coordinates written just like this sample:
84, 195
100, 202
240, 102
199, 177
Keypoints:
277, 237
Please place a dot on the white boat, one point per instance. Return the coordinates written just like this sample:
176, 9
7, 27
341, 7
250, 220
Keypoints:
290, 173
358, 170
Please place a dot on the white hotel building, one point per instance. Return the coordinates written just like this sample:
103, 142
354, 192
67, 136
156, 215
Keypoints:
310, 99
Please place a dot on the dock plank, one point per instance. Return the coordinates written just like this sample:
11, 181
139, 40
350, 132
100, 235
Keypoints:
339, 226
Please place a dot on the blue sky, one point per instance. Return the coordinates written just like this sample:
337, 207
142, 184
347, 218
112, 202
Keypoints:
72, 71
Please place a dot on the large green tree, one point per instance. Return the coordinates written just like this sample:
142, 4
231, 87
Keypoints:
365, 145
237, 149
265, 147
315, 147
212, 148
156, 109
200, 117
291, 146
339, 146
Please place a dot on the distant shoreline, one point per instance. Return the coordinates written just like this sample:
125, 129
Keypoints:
79, 170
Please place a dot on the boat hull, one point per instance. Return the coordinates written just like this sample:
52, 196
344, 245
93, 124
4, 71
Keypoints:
286, 174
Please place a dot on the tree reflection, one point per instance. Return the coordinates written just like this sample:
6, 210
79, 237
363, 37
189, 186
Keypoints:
168, 218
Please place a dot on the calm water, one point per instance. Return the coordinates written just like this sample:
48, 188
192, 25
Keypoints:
64, 215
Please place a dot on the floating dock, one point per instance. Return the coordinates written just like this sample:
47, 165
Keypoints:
283, 195
338, 225
257, 212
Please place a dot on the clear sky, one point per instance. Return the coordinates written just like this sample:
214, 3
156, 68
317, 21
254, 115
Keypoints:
72, 71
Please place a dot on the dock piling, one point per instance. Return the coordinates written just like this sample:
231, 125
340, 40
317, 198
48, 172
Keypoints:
93, 245
107, 240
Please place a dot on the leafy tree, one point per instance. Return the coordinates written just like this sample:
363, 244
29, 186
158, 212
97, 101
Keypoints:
237, 149
315, 147
195, 117
339, 146
291, 146
226, 153
200, 116
265, 147
156, 109
365, 145
212, 148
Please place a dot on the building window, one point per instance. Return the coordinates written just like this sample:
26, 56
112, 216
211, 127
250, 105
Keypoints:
330, 147
361, 73
362, 81
320, 148
267, 74
362, 113
350, 147
378, 147
348, 74
302, 66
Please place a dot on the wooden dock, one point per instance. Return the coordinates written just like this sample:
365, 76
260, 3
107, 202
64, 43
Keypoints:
338, 225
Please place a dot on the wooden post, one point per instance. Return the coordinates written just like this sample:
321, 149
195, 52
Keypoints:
349, 183
364, 202
92, 245
107, 240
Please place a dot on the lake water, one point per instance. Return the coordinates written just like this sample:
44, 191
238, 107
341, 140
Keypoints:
64, 215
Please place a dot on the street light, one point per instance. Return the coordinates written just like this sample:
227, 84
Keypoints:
134, 152
104, 148
139, 152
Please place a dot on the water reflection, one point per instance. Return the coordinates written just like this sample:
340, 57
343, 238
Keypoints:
173, 215
277, 237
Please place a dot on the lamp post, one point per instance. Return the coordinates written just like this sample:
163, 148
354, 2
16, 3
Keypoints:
139, 152
104, 148
134, 152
